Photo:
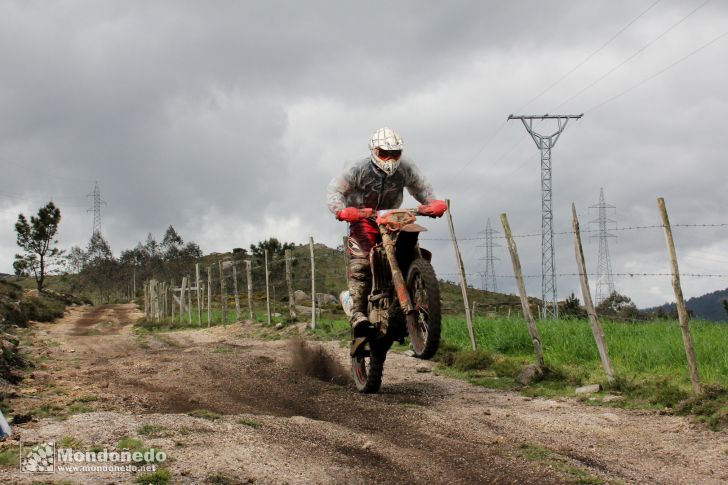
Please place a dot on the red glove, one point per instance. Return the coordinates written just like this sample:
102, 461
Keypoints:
354, 214
436, 208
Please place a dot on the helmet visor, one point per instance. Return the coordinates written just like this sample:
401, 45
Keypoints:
388, 154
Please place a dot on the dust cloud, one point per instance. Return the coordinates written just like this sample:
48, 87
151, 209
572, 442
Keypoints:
315, 361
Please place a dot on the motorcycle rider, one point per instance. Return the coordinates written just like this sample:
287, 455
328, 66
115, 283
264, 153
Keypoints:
373, 183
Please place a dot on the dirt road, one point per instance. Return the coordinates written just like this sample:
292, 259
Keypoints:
259, 415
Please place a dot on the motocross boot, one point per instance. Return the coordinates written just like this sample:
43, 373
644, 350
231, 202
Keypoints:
360, 285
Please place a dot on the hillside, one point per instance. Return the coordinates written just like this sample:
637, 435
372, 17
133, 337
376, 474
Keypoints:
706, 307
331, 271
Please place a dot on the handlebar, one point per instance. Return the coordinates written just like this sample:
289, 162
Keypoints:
383, 212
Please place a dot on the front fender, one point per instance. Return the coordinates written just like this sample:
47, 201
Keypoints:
426, 255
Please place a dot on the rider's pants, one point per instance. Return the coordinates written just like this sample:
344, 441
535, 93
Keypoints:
362, 237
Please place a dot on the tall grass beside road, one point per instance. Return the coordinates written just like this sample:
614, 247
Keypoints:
650, 349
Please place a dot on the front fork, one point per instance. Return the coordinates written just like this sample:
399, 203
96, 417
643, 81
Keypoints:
399, 285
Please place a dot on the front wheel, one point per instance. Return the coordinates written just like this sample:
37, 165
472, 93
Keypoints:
367, 368
423, 324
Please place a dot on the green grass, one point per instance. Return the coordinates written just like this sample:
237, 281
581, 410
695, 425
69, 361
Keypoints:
330, 330
653, 348
9, 457
135, 445
204, 414
131, 444
540, 454
70, 442
710, 408
160, 477
152, 430
249, 422
648, 358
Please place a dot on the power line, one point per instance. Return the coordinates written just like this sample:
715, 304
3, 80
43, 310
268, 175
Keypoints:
485, 145
635, 86
632, 56
631, 275
587, 58
561, 233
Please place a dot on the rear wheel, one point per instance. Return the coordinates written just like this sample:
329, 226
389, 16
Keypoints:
368, 367
423, 324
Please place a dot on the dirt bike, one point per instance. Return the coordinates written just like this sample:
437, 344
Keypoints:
398, 305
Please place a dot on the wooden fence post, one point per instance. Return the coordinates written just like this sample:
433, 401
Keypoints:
313, 284
249, 277
189, 300
209, 295
152, 296
463, 282
146, 302
596, 327
522, 291
289, 282
172, 300
682, 311
223, 300
182, 299
160, 299
199, 297
202, 298
235, 292
267, 287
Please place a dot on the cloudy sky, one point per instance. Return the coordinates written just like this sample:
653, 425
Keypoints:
227, 119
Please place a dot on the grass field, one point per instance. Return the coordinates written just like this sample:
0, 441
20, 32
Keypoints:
649, 360
652, 349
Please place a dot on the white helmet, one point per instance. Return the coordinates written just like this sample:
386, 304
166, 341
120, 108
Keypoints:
386, 147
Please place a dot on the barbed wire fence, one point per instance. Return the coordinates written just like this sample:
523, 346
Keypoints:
270, 288
302, 284
329, 279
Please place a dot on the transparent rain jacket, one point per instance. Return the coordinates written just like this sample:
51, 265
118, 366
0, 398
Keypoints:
363, 185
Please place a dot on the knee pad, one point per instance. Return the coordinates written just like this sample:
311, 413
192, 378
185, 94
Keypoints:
359, 269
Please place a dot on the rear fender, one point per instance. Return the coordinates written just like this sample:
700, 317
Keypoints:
426, 255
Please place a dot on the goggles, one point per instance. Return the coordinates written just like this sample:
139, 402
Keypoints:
388, 154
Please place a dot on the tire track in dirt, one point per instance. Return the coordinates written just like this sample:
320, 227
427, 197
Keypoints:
421, 428
249, 382
179, 372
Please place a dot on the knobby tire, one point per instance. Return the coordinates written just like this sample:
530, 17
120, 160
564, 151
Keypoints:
425, 293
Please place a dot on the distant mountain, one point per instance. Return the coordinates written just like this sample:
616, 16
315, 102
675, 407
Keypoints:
706, 307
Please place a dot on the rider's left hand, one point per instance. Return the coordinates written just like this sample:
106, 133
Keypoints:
436, 208
354, 214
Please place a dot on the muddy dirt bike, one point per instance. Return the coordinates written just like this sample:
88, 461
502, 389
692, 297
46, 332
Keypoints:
404, 300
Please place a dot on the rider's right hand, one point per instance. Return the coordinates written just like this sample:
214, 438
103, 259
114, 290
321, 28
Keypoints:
436, 208
354, 214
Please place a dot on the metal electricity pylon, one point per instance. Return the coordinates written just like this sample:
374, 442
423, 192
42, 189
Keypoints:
96, 209
545, 143
605, 280
489, 282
